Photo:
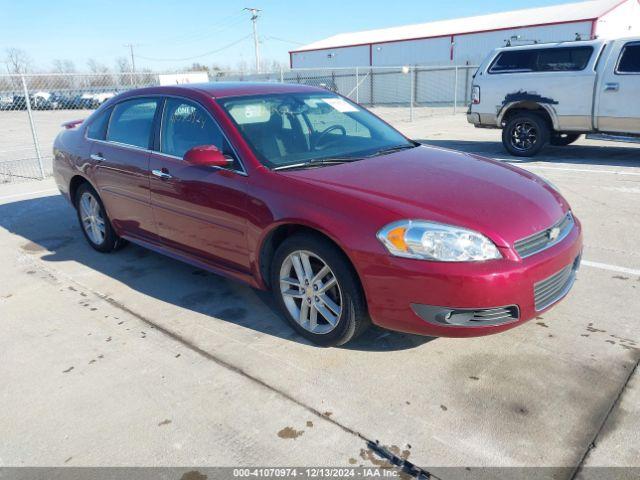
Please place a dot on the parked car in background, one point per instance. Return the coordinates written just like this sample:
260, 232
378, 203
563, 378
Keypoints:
94, 100
6, 101
553, 93
298, 190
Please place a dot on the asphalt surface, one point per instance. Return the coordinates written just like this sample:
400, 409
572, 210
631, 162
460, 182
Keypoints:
134, 359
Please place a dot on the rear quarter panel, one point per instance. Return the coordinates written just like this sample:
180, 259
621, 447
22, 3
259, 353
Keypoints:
70, 154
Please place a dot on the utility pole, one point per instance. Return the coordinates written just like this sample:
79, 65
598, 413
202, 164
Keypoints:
254, 19
133, 60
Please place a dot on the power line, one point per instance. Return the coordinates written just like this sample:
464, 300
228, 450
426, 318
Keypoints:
201, 34
283, 40
196, 56
187, 37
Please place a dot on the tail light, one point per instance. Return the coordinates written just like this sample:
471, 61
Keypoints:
475, 95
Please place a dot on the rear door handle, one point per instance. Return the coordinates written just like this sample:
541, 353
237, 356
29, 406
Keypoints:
611, 87
97, 157
161, 174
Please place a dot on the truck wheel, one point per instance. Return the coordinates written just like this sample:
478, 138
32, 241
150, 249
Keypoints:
563, 139
525, 134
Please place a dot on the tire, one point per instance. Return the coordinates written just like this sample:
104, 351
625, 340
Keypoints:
563, 139
350, 318
103, 238
525, 134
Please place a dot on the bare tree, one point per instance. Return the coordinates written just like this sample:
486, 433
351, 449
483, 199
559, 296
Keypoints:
17, 61
63, 66
100, 73
96, 67
123, 65
197, 67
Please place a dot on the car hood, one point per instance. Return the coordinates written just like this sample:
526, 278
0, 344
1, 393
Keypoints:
503, 202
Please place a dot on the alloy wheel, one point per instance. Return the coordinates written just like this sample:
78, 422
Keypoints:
92, 220
524, 136
311, 292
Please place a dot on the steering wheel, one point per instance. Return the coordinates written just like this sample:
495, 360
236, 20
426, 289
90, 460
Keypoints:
322, 135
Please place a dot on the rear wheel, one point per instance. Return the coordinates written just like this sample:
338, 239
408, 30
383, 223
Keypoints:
318, 291
525, 134
563, 139
94, 222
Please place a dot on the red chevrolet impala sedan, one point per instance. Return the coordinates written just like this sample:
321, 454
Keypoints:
299, 190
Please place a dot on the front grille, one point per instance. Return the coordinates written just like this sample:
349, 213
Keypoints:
546, 238
548, 291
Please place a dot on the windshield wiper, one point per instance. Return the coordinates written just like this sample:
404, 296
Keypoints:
317, 162
395, 148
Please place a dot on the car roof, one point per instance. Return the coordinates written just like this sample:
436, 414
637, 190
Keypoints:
230, 89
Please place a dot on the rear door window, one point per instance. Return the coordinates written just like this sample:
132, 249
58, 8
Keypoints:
629, 59
98, 127
132, 122
564, 59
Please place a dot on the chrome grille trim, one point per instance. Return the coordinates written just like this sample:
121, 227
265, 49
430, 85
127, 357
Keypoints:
548, 291
542, 240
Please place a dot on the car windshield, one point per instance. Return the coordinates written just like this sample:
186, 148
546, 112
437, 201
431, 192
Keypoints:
303, 129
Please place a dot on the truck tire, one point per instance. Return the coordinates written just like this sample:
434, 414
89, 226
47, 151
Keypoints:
525, 134
563, 139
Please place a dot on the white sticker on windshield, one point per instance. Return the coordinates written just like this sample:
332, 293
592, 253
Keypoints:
340, 105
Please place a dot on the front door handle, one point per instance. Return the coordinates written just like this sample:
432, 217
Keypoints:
161, 174
611, 87
97, 157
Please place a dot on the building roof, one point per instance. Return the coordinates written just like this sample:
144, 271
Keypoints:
564, 13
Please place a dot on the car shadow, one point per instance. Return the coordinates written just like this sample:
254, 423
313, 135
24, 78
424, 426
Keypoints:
612, 156
49, 228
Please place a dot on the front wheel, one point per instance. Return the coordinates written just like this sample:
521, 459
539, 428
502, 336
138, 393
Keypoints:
317, 290
525, 134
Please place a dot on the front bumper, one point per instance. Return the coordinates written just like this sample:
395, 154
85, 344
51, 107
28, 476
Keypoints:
473, 118
415, 296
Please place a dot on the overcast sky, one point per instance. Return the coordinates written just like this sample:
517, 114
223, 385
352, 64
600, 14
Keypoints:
211, 31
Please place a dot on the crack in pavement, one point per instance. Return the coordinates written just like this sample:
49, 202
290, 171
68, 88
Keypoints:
403, 465
594, 440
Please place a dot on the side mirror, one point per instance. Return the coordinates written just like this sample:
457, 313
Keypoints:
207, 156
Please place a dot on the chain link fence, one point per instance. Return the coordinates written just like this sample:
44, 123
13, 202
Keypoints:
33, 106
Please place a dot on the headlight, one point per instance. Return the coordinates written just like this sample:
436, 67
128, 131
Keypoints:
436, 241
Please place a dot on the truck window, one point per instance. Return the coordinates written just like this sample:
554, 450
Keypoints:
629, 59
565, 59
514, 61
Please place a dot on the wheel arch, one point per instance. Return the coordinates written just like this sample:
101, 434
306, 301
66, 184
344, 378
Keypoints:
75, 183
546, 111
279, 233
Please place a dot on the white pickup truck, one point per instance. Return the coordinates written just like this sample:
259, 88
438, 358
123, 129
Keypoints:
553, 93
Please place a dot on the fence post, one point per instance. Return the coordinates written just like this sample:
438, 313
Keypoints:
34, 134
411, 95
281, 75
357, 86
455, 93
